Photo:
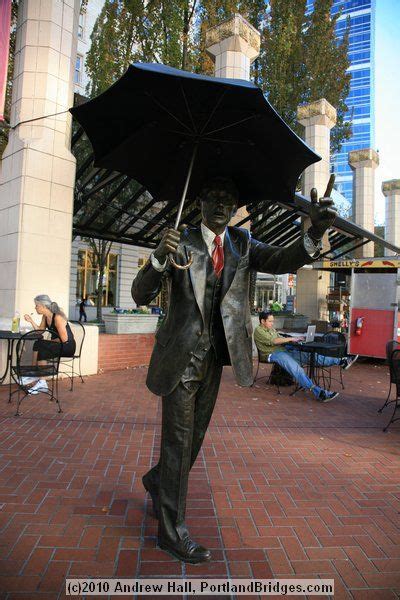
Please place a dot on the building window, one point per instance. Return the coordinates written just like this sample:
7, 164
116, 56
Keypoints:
81, 26
78, 69
87, 278
156, 301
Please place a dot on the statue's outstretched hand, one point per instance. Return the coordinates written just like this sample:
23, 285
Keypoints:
322, 212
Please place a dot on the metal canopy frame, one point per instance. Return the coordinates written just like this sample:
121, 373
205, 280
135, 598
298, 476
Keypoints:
111, 206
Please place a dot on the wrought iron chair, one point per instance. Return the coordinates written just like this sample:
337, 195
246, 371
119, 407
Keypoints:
21, 366
393, 360
324, 372
274, 376
69, 362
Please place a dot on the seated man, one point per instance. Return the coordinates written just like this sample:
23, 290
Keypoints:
272, 349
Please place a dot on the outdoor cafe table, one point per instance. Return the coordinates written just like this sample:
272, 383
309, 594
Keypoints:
317, 347
11, 339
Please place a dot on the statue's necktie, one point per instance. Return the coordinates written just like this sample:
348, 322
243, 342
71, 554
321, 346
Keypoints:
218, 256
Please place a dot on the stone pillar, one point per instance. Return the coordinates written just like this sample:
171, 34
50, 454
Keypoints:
318, 118
233, 45
38, 169
363, 163
391, 190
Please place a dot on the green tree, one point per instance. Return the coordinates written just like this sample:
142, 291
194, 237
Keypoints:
127, 31
325, 67
282, 61
379, 249
7, 105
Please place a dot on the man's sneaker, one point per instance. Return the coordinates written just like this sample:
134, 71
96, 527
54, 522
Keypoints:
325, 396
347, 361
40, 386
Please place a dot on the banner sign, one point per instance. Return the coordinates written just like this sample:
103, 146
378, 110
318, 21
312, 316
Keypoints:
359, 263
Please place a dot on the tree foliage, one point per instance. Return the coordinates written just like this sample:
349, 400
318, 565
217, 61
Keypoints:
127, 31
282, 57
10, 71
326, 64
300, 58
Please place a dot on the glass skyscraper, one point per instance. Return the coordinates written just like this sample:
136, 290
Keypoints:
360, 100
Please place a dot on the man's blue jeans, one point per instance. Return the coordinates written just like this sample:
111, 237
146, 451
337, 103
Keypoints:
285, 360
289, 360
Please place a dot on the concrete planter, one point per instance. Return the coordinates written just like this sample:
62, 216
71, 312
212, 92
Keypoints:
296, 322
116, 323
279, 321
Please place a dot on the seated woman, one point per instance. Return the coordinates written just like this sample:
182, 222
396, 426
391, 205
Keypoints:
56, 322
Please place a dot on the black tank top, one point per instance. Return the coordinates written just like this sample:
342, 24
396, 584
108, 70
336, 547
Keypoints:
53, 330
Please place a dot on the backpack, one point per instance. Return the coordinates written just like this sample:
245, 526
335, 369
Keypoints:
280, 377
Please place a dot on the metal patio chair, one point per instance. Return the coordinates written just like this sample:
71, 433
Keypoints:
393, 360
275, 374
69, 362
21, 366
323, 371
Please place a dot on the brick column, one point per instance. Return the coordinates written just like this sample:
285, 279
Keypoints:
391, 190
363, 163
233, 45
38, 169
318, 118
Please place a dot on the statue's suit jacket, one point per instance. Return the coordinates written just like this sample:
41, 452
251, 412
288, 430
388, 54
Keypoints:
179, 334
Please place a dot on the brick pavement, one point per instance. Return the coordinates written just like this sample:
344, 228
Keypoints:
283, 487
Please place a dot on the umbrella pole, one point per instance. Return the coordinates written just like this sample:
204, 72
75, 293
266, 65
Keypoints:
182, 202
178, 216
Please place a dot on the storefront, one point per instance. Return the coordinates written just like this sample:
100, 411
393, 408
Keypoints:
365, 303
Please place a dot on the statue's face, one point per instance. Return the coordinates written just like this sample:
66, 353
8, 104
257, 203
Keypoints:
217, 209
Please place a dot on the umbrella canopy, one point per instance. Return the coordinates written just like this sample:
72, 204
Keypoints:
151, 121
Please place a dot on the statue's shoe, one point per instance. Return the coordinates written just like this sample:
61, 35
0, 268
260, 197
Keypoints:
186, 550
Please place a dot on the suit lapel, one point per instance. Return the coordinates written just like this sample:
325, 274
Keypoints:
231, 258
198, 269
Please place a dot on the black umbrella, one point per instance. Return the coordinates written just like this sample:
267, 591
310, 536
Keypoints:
171, 130
149, 122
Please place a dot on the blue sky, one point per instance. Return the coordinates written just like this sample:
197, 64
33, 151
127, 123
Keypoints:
387, 97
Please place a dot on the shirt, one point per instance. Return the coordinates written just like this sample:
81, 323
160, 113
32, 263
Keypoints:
264, 340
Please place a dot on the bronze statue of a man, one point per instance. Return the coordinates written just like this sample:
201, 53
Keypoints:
208, 325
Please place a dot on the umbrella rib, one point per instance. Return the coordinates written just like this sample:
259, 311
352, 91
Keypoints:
213, 111
230, 125
246, 143
169, 112
188, 109
191, 134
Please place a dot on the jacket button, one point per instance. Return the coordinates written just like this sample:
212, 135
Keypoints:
198, 333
